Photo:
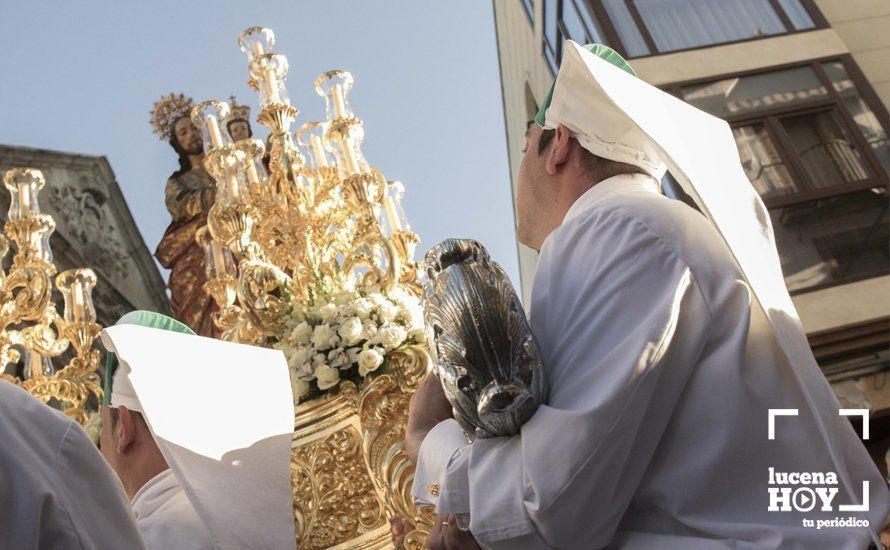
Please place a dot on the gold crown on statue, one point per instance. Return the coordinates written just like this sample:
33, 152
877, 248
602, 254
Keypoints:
237, 112
168, 110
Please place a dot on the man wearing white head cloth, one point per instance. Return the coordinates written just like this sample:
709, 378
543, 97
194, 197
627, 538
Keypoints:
667, 337
166, 517
199, 431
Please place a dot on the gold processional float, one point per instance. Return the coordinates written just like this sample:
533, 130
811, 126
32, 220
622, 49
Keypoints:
48, 354
314, 257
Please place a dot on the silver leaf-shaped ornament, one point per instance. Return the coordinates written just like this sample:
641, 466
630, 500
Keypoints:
484, 352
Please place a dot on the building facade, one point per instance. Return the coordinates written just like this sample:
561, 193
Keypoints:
94, 228
805, 86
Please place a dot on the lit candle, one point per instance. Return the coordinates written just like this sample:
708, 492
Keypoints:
339, 104
24, 200
213, 129
77, 304
219, 259
318, 149
389, 204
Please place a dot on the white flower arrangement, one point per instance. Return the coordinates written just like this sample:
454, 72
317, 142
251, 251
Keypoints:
347, 335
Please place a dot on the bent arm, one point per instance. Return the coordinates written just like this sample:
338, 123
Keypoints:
621, 325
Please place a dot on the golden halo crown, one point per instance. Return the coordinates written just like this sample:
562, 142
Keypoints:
167, 110
237, 111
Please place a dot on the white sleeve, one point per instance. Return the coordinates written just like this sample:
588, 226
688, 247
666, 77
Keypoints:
438, 449
621, 323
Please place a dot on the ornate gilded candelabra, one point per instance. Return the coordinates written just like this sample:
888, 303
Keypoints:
31, 331
284, 245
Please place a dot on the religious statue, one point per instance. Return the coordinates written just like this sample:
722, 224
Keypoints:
238, 121
189, 194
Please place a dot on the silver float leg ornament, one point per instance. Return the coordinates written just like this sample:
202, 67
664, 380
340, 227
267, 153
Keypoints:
483, 349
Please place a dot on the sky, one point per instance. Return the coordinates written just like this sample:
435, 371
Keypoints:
81, 77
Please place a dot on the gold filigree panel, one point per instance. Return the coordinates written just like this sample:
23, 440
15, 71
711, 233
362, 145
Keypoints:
335, 500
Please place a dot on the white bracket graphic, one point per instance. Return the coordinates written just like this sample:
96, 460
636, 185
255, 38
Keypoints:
773, 413
858, 412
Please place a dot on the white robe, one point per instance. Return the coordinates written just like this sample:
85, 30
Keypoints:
662, 370
166, 517
56, 491
233, 462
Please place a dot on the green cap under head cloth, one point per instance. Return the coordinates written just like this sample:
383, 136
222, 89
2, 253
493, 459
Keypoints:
141, 318
603, 52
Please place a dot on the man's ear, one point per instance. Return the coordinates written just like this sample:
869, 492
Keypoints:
126, 430
559, 152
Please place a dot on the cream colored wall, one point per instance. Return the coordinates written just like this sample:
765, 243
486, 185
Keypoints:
742, 56
844, 305
864, 26
859, 27
519, 48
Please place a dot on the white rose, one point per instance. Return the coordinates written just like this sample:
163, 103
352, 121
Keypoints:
326, 377
369, 360
369, 330
298, 386
391, 336
351, 331
352, 354
297, 315
387, 310
363, 308
324, 337
298, 358
327, 313
398, 295
343, 298
414, 316
301, 334
344, 313
338, 359
418, 335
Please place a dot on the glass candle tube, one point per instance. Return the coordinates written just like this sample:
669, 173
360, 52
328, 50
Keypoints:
76, 287
207, 117
36, 364
310, 137
256, 41
218, 260
334, 87
270, 72
23, 184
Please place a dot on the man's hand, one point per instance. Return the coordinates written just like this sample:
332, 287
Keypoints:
446, 535
398, 528
427, 408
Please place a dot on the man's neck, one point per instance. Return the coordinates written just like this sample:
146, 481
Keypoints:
142, 474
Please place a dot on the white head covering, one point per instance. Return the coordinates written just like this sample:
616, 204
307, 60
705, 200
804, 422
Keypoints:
222, 416
701, 153
122, 392
577, 103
